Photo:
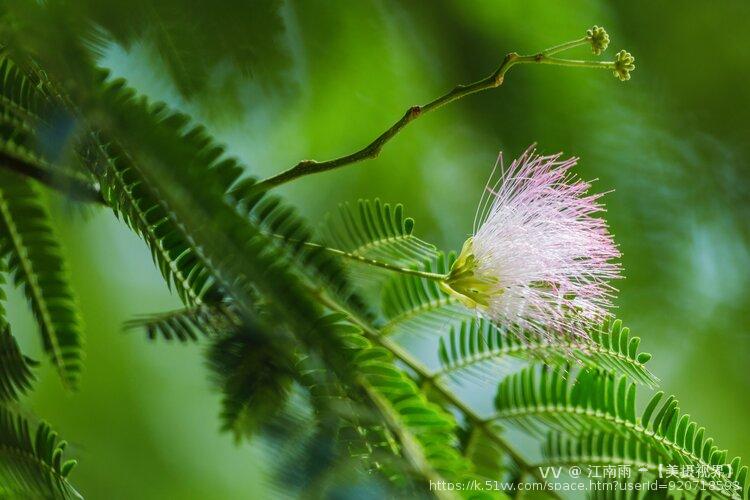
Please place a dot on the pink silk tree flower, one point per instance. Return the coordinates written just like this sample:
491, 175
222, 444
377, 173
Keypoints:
540, 262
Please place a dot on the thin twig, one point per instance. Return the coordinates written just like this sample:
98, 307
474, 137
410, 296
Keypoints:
567, 45
372, 150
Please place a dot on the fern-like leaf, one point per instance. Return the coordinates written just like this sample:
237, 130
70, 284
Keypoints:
541, 398
26, 112
378, 231
614, 349
19, 95
255, 377
32, 467
138, 206
607, 449
15, 368
36, 264
477, 348
538, 397
360, 434
179, 260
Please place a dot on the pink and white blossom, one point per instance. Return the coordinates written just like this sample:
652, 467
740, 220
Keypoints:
540, 261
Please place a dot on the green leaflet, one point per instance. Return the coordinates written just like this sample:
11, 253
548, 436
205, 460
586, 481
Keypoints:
139, 207
15, 368
19, 95
539, 399
31, 465
360, 434
254, 376
35, 262
378, 231
203, 164
606, 449
27, 111
476, 346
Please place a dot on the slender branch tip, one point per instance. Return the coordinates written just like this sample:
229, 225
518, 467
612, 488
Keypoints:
596, 36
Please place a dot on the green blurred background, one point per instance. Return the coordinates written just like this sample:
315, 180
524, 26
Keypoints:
672, 143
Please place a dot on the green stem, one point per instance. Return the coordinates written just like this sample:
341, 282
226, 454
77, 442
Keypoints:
567, 62
567, 45
377, 263
372, 150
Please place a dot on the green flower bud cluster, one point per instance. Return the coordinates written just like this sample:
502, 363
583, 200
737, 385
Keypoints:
624, 64
599, 39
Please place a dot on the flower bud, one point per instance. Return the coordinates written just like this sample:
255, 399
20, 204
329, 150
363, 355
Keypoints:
624, 64
599, 39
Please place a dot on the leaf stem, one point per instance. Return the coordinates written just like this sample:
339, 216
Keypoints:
567, 45
373, 149
376, 263
570, 62
32, 285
